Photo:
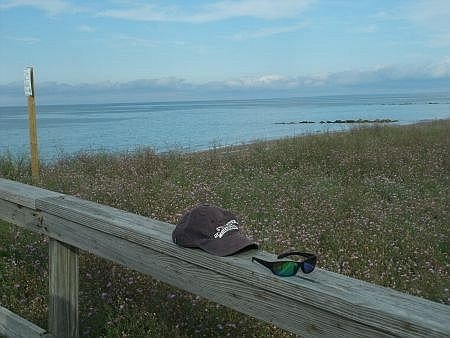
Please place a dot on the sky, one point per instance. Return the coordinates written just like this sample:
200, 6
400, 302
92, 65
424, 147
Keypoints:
120, 50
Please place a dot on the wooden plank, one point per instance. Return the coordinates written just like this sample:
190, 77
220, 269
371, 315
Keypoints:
22, 216
63, 289
287, 313
331, 303
356, 304
12, 325
23, 194
270, 306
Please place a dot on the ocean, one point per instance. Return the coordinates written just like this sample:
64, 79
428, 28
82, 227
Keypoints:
198, 125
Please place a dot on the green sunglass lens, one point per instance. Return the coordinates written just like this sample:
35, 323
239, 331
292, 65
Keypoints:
285, 268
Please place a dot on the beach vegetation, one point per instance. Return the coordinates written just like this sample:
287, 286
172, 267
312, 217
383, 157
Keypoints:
372, 203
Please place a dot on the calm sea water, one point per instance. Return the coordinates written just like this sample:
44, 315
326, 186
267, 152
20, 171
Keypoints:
198, 125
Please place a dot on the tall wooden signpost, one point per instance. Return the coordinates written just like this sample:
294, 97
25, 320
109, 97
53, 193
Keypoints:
29, 92
63, 258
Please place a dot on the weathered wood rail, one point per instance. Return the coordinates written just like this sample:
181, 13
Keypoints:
320, 304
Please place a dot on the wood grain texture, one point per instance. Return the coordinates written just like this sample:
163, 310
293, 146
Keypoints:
23, 194
22, 216
250, 299
33, 138
376, 307
63, 290
14, 326
322, 303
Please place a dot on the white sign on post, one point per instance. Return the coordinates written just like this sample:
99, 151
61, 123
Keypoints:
27, 81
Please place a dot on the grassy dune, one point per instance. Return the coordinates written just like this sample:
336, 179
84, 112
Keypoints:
373, 203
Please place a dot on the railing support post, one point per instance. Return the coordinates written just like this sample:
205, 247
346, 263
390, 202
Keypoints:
63, 290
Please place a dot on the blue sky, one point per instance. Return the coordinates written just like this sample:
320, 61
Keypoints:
148, 50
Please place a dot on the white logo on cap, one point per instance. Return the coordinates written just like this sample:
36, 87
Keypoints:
223, 229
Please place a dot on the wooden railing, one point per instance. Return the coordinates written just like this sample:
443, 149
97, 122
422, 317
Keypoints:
320, 304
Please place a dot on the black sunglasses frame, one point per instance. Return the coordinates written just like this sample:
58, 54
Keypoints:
310, 258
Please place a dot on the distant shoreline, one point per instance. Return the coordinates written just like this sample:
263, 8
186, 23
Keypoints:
242, 147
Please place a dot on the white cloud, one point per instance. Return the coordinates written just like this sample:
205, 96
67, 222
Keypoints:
134, 41
142, 13
379, 74
216, 11
439, 69
430, 71
268, 31
382, 79
49, 6
431, 17
369, 29
85, 29
256, 82
315, 80
428, 12
439, 40
263, 9
26, 39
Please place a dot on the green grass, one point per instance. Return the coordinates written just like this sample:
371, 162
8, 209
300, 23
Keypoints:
373, 203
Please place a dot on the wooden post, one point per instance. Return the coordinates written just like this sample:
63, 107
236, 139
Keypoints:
29, 91
63, 290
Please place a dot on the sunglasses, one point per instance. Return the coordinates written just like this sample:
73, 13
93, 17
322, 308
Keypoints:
290, 268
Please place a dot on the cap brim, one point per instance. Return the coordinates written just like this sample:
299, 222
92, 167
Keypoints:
228, 245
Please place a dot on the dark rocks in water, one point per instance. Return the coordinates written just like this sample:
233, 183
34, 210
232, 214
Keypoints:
398, 104
361, 121
342, 121
294, 122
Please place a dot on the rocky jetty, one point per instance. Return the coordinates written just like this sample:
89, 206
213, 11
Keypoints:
342, 121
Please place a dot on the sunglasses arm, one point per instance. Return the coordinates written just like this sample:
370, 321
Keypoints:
263, 262
295, 253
